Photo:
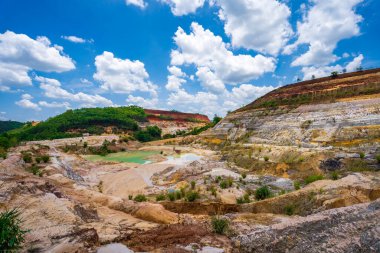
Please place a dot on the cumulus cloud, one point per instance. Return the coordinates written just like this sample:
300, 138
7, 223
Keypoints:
122, 76
261, 25
26, 102
175, 79
138, 3
142, 102
205, 50
54, 104
20, 54
325, 24
52, 89
184, 7
310, 72
76, 39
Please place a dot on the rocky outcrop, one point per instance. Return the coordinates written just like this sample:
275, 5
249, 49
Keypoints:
349, 229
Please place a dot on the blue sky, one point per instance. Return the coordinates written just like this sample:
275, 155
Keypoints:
207, 56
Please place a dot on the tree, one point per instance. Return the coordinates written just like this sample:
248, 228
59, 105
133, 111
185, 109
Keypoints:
312, 77
216, 119
334, 74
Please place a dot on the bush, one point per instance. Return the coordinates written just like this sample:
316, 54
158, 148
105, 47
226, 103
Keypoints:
45, 158
334, 175
171, 196
244, 175
266, 158
160, 197
85, 144
38, 159
35, 170
192, 185
191, 196
224, 184
27, 157
289, 209
11, 233
140, 198
313, 178
378, 158
243, 199
362, 155
219, 225
130, 197
262, 193
297, 185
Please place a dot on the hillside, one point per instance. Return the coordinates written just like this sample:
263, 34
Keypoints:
325, 90
9, 125
326, 111
172, 122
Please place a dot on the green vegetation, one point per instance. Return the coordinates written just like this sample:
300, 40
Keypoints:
378, 158
335, 175
297, 185
45, 158
262, 193
36, 170
151, 133
362, 155
244, 199
192, 185
219, 225
191, 196
289, 209
266, 158
226, 183
6, 126
357, 165
27, 157
140, 198
160, 197
313, 178
11, 233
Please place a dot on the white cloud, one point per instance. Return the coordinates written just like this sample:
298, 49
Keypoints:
142, 102
203, 49
20, 54
209, 103
52, 89
355, 64
26, 102
325, 24
76, 39
54, 104
323, 71
261, 25
175, 79
138, 3
184, 7
122, 76
210, 81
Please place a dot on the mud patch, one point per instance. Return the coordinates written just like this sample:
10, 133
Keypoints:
168, 237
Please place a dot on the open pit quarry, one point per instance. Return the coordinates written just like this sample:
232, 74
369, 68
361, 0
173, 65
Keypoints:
298, 170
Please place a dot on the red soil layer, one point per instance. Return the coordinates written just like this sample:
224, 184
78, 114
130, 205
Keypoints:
160, 115
355, 81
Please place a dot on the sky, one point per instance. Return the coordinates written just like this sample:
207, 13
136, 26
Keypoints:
203, 56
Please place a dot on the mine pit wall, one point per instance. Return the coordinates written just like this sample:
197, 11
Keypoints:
313, 124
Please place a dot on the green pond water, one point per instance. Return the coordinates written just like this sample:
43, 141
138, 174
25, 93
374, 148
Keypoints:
140, 157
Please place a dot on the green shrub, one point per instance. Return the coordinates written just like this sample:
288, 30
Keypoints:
223, 184
179, 194
243, 199
130, 197
191, 196
335, 175
38, 159
192, 185
85, 144
45, 158
11, 233
140, 198
297, 185
244, 175
219, 225
35, 170
266, 158
160, 197
213, 191
378, 158
262, 193
289, 209
313, 178
171, 196
362, 155
27, 157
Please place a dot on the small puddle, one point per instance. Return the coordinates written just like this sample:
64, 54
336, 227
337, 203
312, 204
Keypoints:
140, 157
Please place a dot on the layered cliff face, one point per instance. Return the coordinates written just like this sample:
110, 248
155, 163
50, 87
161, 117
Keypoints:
335, 111
172, 121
